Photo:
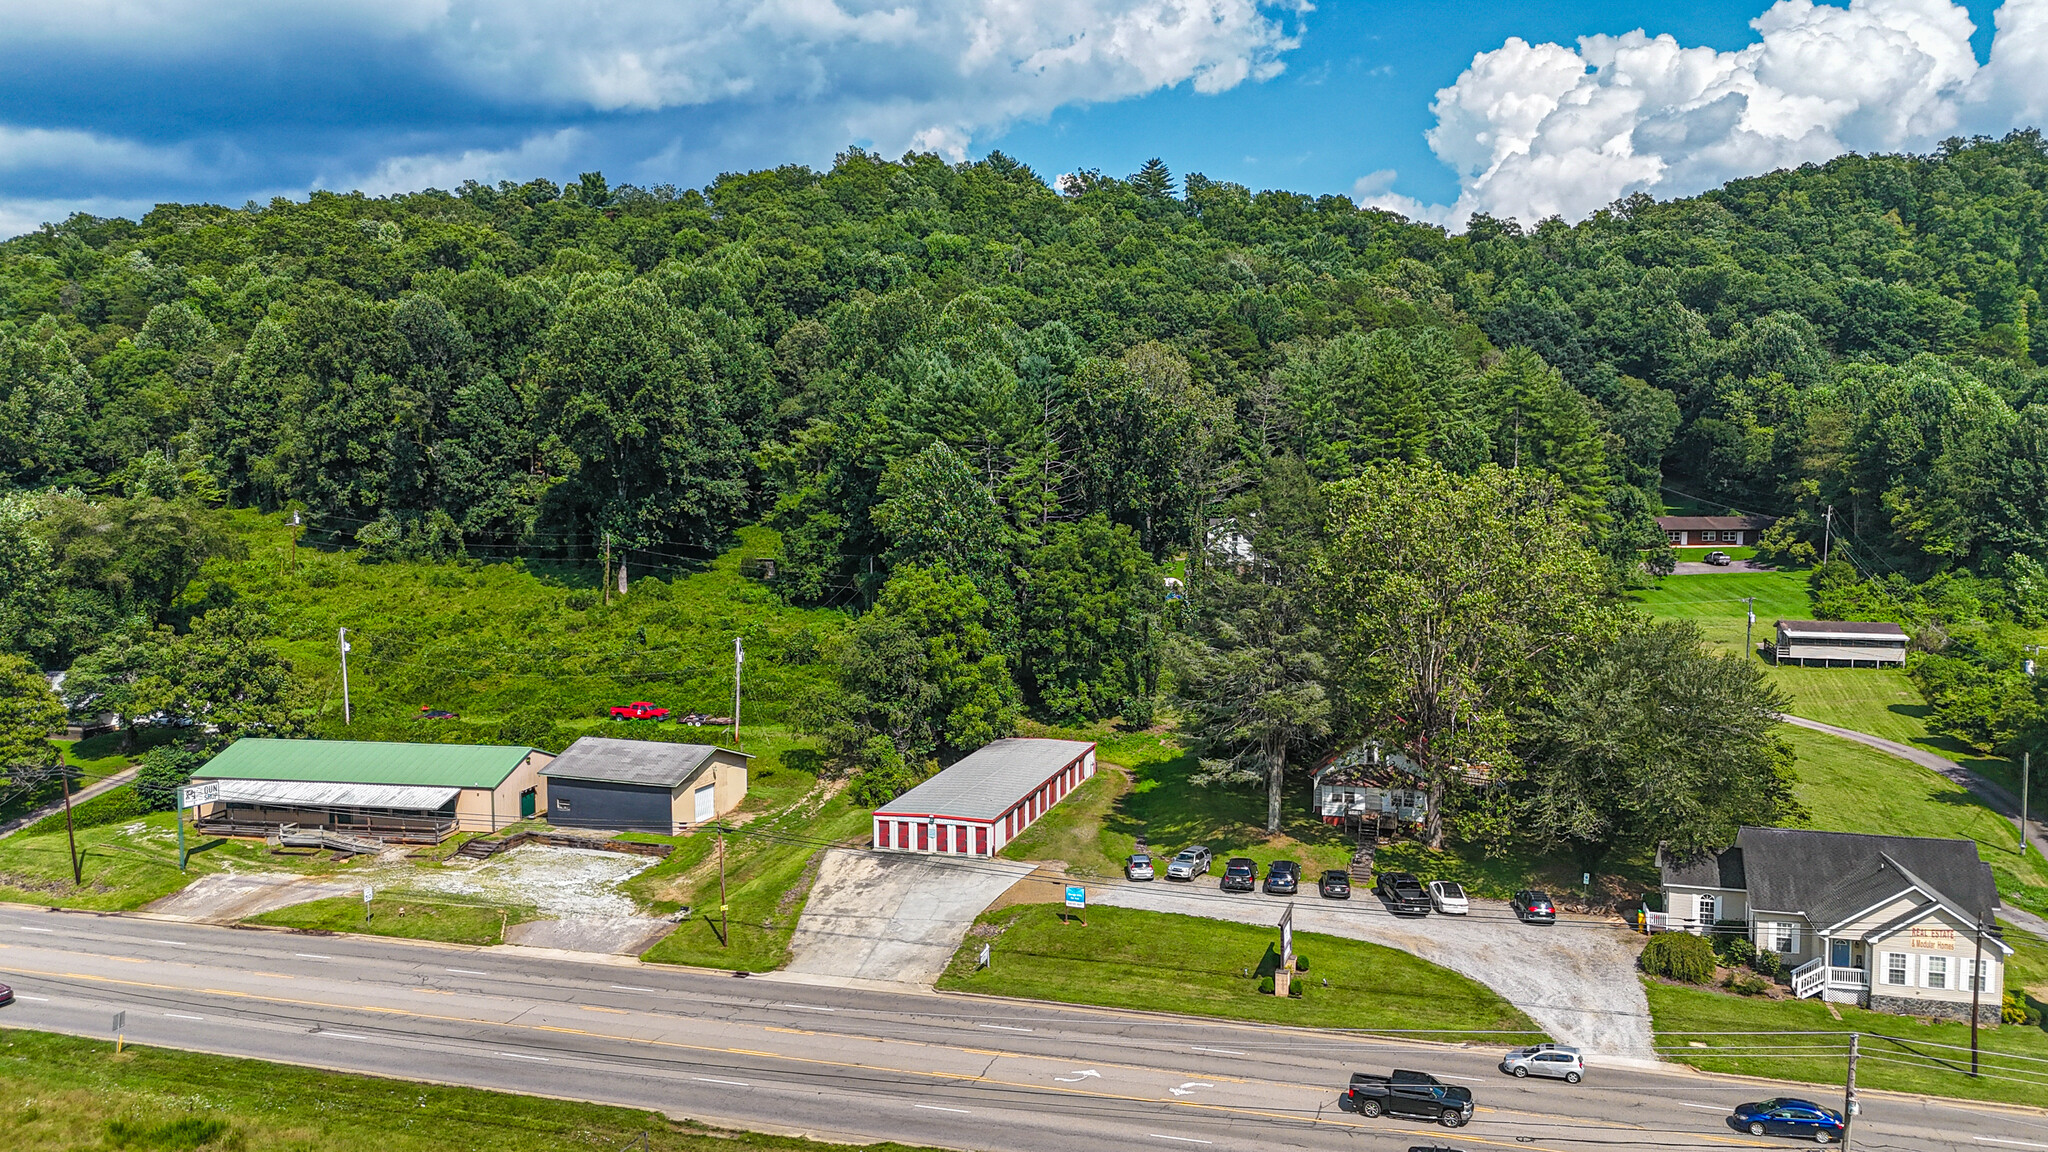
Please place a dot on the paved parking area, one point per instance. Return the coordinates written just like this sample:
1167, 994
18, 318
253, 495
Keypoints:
1577, 978
878, 916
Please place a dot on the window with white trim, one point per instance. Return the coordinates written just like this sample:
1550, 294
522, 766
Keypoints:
1934, 970
1784, 936
1982, 976
1895, 969
1710, 908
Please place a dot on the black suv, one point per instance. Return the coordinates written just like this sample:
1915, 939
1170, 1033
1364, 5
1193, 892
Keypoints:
1533, 907
1335, 884
1241, 874
1283, 878
1402, 893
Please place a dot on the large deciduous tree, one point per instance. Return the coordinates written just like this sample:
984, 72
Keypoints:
29, 712
1450, 596
1653, 740
1090, 600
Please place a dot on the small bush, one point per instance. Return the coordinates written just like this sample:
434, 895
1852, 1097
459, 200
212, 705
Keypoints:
111, 808
180, 1135
1679, 956
1769, 963
580, 600
2016, 1010
1746, 984
1736, 950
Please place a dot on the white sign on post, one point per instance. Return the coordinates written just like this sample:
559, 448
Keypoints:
1287, 937
367, 893
984, 956
193, 795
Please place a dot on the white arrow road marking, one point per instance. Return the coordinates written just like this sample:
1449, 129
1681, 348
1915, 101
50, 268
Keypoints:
1002, 1027
522, 1056
1705, 1107
1182, 1139
1223, 1051
1189, 1087
715, 1080
936, 1108
183, 1016
1996, 1140
1080, 1074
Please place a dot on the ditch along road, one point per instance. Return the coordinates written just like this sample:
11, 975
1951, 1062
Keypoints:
846, 1063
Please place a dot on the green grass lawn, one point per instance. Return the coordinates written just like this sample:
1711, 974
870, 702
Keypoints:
1123, 958
1676, 1011
1715, 602
399, 914
1691, 555
1851, 788
126, 864
74, 1095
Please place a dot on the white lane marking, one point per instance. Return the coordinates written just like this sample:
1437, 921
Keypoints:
631, 988
183, 1016
734, 1083
2020, 1143
936, 1108
344, 1035
468, 972
522, 1056
25, 928
1224, 1051
1704, 1107
1002, 1028
25, 996
1182, 1139
1474, 1079
810, 1007
311, 956
1188, 1088
1079, 1075
172, 943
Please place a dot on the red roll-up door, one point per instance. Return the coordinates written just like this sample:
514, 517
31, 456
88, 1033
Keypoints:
960, 840
882, 834
943, 829
923, 837
981, 841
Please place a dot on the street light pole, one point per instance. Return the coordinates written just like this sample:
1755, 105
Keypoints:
1976, 994
346, 716
71, 837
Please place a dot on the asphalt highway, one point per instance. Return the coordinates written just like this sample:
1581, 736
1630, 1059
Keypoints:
851, 1064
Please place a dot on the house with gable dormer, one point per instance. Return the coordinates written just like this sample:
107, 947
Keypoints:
1901, 924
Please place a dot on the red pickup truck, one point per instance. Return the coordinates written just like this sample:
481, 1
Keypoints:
638, 710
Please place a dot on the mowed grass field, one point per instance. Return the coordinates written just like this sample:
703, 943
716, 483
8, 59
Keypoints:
1213, 968
1716, 602
69, 1094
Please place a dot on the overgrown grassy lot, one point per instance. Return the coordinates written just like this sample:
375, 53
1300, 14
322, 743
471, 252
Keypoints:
1714, 601
1123, 958
512, 647
58, 1092
401, 915
127, 863
1903, 1066
1852, 788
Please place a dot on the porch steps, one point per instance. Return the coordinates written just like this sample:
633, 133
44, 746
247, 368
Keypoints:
1361, 864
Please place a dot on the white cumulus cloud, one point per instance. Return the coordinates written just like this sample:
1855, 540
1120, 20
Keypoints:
1534, 130
545, 152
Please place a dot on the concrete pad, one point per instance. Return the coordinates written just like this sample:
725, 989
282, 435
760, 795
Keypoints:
225, 897
615, 935
876, 916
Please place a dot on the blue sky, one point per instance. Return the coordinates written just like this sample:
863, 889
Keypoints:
109, 107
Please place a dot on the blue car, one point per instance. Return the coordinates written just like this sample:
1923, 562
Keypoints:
1787, 1117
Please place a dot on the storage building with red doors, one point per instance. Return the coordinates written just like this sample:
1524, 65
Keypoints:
987, 799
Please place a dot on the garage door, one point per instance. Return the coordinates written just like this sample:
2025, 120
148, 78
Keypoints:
707, 803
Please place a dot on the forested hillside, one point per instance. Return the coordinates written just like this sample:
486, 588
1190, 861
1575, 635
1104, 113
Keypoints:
991, 407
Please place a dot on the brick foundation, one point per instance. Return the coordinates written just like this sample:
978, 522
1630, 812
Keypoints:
1987, 1013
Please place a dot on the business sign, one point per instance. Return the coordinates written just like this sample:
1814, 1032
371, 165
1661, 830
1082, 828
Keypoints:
1077, 896
193, 795
984, 956
367, 893
1287, 937
1934, 939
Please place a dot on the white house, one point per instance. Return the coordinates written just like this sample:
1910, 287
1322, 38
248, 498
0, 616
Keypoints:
1901, 924
1840, 643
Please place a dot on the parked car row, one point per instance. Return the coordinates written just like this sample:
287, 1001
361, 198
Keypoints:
1402, 892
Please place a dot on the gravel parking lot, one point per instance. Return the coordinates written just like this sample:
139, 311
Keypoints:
1576, 978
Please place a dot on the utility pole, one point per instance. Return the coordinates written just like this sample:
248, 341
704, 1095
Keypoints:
346, 716
64, 774
605, 581
739, 657
1976, 994
1849, 1092
295, 543
2026, 777
1827, 535
724, 926
1749, 630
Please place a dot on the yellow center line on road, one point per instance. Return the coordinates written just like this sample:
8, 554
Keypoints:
950, 1077
790, 1031
128, 959
272, 975
595, 1008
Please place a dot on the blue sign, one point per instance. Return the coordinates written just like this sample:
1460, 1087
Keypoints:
1077, 896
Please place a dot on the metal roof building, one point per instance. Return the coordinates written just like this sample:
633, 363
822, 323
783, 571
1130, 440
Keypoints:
643, 785
1855, 643
981, 803
373, 789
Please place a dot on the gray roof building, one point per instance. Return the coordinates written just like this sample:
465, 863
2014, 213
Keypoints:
1830, 875
989, 781
651, 762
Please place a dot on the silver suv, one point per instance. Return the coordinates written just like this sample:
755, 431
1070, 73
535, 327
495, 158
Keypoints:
1552, 1060
1190, 863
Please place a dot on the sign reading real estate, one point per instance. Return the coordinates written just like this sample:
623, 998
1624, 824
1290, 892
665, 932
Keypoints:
1077, 896
1934, 939
1287, 937
193, 795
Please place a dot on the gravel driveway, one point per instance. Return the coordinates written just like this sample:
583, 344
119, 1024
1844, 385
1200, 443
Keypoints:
1576, 979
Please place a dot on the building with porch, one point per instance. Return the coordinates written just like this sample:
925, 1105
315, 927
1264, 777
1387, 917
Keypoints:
1369, 791
1725, 531
1840, 643
373, 790
1901, 924
986, 799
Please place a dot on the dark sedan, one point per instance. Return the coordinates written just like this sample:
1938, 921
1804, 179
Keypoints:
1533, 907
1283, 878
1788, 1117
1240, 874
1335, 885
6, 994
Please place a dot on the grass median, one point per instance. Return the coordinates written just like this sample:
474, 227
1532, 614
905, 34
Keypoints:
1124, 958
400, 915
66, 1093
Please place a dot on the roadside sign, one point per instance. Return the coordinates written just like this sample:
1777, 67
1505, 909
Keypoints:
1077, 896
367, 893
984, 956
193, 795
1287, 937
120, 1022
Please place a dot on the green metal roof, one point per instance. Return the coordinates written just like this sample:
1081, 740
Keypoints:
365, 762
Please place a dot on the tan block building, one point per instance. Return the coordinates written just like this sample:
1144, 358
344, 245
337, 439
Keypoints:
410, 793
643, 785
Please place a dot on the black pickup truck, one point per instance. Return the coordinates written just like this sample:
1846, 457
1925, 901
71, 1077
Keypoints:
1416, 1094
1403, 894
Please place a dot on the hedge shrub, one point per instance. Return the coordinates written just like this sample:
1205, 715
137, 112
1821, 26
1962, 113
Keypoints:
1679, 956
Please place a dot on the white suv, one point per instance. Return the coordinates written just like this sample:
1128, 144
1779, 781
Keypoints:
1552, 1060
1191, 862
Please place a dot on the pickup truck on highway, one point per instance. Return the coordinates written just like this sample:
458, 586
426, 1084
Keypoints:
1416, 1094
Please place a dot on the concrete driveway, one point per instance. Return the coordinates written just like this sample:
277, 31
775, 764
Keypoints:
1577, 979
877, 917
225, 897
